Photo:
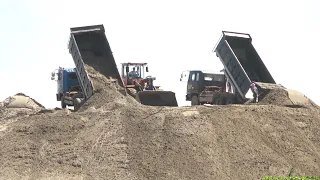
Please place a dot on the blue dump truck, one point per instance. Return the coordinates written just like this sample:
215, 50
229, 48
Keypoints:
68, 86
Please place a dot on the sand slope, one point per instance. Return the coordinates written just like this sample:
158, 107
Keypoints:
121, 139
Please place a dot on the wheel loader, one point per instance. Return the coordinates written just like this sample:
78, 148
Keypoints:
141, 87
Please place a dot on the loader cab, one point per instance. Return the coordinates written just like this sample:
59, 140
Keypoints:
199, 81
131, 71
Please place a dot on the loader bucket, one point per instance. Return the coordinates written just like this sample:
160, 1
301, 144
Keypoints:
157, 98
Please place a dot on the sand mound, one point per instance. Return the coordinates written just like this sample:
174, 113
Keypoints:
107, 93
114, 137
21, 100
297, 98
18, 106
276, 97
287, 97
247, 142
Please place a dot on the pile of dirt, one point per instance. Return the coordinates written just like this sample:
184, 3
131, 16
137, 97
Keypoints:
19, 105
107, 93
276, 97
246, 142
286, 97
21, 100
114, 137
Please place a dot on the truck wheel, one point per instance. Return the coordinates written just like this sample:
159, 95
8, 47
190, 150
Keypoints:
76, 104
194, 100
230, 99
219, 99
63, 105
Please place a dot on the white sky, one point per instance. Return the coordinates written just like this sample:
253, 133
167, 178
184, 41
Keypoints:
170, 35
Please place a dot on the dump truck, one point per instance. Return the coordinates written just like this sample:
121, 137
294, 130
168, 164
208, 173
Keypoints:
242, 66
205, 87
68, 87
89, 47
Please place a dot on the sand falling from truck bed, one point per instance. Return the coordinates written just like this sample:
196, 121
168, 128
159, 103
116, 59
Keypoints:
286, 97
122, 139
107, 93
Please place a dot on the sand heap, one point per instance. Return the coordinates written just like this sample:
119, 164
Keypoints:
118, 138
287, 97
19, 105
107, 93
276, 97
21, 100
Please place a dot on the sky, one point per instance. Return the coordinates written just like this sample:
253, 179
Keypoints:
170, 35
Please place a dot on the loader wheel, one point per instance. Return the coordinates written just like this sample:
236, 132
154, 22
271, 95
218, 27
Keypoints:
194, 100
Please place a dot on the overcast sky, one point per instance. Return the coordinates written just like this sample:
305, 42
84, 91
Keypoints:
170, 35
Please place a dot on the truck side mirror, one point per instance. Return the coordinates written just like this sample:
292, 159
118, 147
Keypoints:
127, 68
52, 75
147, 69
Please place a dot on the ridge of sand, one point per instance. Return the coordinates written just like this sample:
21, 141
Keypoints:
114, 137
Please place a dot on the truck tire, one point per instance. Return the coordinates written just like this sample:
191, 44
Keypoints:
63, 105
76, 104
194, 100
219, 99
230, 99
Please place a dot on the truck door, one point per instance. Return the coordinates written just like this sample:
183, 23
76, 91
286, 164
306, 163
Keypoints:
193, 83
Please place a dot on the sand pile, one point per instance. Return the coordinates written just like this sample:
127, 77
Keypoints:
286, 97
117, 138
247, 142
21, 100
19, 105
276, 97
107, 93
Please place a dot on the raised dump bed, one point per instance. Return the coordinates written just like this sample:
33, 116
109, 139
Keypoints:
242, 62
89, 46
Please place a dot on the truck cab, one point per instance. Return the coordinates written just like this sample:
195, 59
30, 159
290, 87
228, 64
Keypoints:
68, 86
207, 88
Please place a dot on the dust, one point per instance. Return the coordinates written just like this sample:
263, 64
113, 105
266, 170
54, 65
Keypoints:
114, 137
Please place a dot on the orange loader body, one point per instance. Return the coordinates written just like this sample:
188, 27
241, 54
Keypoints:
154, 97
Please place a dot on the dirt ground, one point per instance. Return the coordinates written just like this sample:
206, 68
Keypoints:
114, 137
